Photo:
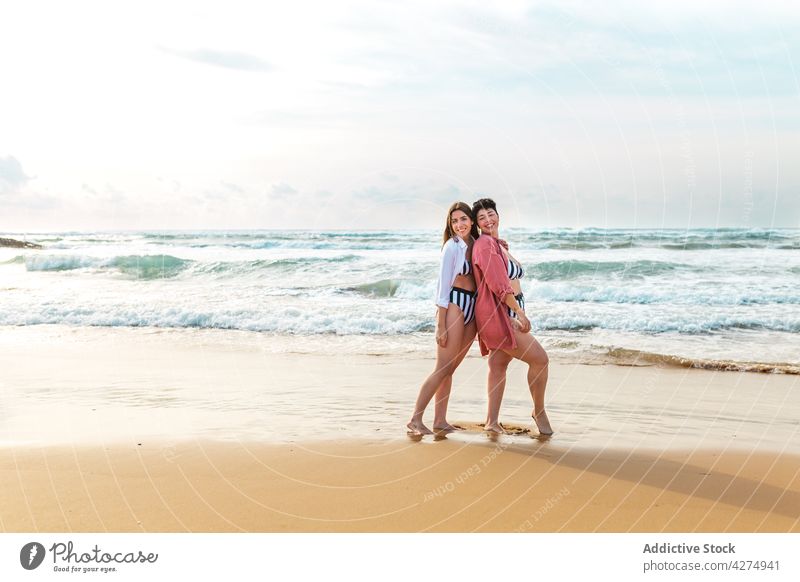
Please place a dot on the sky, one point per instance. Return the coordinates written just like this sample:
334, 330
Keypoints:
368, 114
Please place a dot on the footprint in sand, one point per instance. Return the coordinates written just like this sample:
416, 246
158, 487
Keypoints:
511, 429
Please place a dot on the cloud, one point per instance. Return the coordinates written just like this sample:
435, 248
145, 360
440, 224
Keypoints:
225, 192
225, 59
281, 189
231, 187
171, 183
109, 194
574, 48
547, 104
12, 178
405, 192
337, 115
13, 181
452, 193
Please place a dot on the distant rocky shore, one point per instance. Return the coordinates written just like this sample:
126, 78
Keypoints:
18, 244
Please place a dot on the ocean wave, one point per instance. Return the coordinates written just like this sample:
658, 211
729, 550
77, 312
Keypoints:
236, 234
292, 240
659, 324
18, 260
167, 266
286, 264
398, 288
383, 288
630, 357
61, 262
341, 245
290, 320
560, 270
667, 239
182, 235
630, 244
702, 246
587, 239
726, 295
208, 243
566, 246
138, 266
331, 315
356, 244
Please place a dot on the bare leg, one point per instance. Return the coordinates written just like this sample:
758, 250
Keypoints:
445, 364
532, 353
443, 393
440, 408
498, 364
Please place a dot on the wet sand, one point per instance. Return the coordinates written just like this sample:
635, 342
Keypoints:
124, 430
76, 386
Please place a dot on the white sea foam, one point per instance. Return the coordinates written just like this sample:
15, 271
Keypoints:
703, 286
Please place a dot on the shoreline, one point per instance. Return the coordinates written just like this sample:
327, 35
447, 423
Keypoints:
415, 345
77, 386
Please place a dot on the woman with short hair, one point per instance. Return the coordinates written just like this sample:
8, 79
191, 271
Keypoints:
503, 326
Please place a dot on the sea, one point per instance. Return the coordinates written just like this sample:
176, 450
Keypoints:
722, 298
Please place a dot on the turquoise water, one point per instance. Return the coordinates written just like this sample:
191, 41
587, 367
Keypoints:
719, 294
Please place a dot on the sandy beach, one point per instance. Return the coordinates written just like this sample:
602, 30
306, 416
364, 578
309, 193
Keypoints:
394, 486
132, 430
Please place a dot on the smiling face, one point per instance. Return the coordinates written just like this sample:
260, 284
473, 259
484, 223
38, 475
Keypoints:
488, 221
460, 224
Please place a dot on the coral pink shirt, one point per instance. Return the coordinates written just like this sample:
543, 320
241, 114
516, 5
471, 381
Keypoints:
491, 276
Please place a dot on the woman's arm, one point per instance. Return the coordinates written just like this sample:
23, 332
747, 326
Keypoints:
447, 266
513, 304
441, 326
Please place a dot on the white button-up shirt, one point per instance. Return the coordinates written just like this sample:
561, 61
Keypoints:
454, 253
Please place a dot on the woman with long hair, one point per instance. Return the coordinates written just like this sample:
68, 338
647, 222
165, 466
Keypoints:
503, 327
455, 320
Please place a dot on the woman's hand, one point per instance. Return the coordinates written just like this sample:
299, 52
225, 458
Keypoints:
441, 335
503, 243
524, 322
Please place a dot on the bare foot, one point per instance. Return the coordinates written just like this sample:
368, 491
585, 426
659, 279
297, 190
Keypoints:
495, 427
542, 422
418, 428
447, 427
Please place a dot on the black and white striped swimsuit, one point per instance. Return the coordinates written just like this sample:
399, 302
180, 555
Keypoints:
515, 272
463, 298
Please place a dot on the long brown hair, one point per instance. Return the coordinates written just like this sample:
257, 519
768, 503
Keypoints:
448, 229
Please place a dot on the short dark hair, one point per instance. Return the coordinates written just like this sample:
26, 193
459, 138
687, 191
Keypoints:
483, 204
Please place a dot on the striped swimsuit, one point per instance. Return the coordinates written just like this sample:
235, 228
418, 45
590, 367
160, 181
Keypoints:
515, 272
463, 298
